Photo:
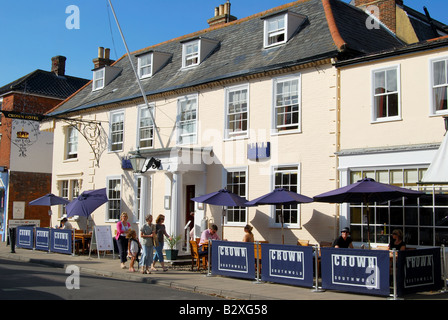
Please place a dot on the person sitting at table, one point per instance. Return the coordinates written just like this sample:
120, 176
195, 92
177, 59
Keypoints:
248, 235
65, 224
397, 242
344, 240
208, 234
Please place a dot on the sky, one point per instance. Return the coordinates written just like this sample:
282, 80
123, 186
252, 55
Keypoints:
34, 31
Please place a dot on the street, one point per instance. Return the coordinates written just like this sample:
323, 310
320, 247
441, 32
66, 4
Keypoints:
28, 281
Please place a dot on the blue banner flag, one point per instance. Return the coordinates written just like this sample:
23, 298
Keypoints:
42, 239
61, 241
233, 259
25, 237
419, 270
287, 264
356, 270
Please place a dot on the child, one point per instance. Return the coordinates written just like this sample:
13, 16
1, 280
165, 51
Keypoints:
134, 248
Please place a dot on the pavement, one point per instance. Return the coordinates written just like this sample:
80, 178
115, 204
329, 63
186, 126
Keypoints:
182, 278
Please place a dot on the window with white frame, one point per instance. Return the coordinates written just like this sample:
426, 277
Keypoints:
237, 111
98, 79
65, 189
69, 190
114, 196
386, 94
72, 143
439, 85
275, 30
145, 127
287, 111
116, 131
187, 119
145, 65
237, 184
287, 177
190, 54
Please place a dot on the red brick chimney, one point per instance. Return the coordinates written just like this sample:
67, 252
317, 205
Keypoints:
103, 58
387, 10
58, 65
222, 15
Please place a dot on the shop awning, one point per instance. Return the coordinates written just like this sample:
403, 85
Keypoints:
438, 169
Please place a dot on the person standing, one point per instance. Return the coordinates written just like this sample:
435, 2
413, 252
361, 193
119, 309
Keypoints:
160, 233
134, 248
148, 234
122, 242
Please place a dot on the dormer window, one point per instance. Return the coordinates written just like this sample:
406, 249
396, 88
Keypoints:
145, 65
103, 76
280, 27
190, 54
150, 62
275, 31
98, 79
197, 50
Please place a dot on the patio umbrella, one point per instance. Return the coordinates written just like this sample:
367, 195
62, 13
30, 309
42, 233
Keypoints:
48, 200
366, 191
280, 196
86, 203
223, 198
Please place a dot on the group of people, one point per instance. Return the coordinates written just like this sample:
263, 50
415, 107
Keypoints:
152, 238
345, 241
153, 235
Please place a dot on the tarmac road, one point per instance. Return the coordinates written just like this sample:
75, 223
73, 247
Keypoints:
29, 281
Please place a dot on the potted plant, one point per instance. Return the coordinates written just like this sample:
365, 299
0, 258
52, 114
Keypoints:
171, 253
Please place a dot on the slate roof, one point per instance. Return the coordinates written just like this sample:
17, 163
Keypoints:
333, 29
45, 83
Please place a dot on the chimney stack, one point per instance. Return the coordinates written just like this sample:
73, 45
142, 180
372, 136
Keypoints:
58, 65
387, 11
103, 58
222, 15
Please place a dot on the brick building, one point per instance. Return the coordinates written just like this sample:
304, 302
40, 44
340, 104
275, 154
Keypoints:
25, 151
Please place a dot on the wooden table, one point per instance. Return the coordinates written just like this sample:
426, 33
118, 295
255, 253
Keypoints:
85, 238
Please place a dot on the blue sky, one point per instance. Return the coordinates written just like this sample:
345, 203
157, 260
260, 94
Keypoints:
34, 31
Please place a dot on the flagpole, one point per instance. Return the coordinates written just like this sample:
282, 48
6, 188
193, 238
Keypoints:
136, 74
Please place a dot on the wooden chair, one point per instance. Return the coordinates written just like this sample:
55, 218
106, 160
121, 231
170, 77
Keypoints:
324, 244
257, 255
303, 243
194, 249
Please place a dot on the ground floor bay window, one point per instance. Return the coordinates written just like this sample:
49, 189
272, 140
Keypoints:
424, 221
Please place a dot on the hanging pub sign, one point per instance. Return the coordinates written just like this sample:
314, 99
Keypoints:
61, 241
42, 239
25, 237
287, 264
233, 259
22, 116
356, 270
419, 270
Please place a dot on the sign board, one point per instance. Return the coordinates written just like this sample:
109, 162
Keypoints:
419, 270
25, 237
287, 264
356, 270
233, 259
42, 239
61, 241
102, 239
18, 210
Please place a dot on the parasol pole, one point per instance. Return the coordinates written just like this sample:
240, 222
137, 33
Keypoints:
368, 220
281, 217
